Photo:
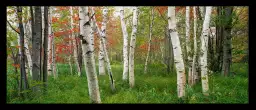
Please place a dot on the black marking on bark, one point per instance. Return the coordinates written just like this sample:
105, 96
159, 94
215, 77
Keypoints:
87, 23
81, 36
84, 41
89, 52
172, 30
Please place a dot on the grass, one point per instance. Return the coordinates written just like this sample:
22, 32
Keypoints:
156, 86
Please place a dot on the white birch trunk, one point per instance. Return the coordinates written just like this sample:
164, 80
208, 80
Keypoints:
204, 47
55, 73
188, 46
102, 35
49, 51
70, 56
101, 52
28, 35
181, 77
149, 42
92, 45
132, 47
42, 10
101, 60
125, 46
74, 44
104, 25
194, 73
87, 56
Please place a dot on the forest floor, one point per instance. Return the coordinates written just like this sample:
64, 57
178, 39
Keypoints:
154, 87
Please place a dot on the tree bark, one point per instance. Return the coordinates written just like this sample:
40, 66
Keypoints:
125, 46
101, 50
36, 43
194, 73
87, 55
150, 37
102, 35
204, 48
219, 39
227, 47
104, 25
28, 35
180, 69
188, 45
132, 47
22, 51
45, 46
50, 39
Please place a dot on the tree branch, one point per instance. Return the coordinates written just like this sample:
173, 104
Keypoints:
12, 27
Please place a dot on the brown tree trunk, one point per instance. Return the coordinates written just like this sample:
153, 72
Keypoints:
22, 56
45, 46
227, 47
36, 43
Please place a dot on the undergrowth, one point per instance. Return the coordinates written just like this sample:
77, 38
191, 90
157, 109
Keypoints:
157, 86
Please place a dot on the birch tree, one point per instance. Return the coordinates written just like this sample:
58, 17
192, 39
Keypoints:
87, 56
194, 73
180, 69
26, 41
190, 76
49, 49
204, 46
103, 38
101, 51
132, 47
102, 34
125, 46
150, 37
74, 44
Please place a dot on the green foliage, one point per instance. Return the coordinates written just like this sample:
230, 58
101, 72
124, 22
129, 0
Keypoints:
154, 87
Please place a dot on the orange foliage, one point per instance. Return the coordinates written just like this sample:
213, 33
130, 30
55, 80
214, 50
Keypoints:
16, 65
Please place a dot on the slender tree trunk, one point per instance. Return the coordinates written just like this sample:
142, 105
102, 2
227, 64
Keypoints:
101, 50
204, 48
54, 72
219, 39
26, 41
125, 46
22, 51
41, 40
104, 25
85, 35
227, 48
74, 44
132, 47
45, 46
70, 55
49, 51
195, 48
101, 59
188, 40
150, 37
36, 43
102, 35
181, 77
